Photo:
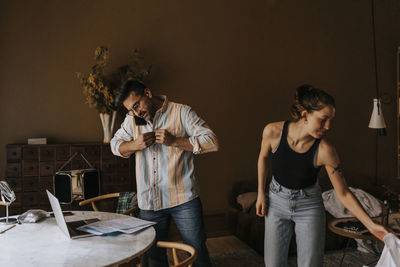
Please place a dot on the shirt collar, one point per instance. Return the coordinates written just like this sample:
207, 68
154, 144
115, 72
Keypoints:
165, 103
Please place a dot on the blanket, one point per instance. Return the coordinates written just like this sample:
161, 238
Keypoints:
371, 205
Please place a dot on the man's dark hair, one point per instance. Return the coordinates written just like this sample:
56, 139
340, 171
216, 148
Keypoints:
126, 88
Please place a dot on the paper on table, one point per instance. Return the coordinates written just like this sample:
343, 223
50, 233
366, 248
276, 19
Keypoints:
125, 225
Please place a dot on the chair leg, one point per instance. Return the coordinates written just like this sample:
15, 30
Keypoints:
345, 250
175, 256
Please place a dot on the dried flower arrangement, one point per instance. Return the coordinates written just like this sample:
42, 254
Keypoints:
99, 87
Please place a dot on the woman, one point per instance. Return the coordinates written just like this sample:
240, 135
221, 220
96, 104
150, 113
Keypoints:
298, 150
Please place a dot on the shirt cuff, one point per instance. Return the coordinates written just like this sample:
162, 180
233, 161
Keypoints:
196, 146
115, 148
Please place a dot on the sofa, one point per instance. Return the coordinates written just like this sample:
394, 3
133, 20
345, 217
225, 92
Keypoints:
243, 222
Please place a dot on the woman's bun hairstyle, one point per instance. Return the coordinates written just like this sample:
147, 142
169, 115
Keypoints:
310, 99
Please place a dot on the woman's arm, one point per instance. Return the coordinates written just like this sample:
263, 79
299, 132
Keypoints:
329, 158
269, 134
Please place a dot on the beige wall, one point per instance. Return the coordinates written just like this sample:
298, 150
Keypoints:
235, 62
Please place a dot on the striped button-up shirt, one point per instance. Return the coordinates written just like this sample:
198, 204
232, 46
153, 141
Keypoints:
165, 175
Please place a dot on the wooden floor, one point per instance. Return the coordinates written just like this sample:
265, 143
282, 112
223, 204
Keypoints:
225, 244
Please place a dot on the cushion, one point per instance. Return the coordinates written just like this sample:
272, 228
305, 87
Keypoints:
126, 201
246, 200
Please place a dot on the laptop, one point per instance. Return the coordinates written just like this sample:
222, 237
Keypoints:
68, 228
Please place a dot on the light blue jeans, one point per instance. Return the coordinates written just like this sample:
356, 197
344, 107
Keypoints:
188, 218
302, 210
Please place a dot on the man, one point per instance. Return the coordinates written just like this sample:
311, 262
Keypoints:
165, 136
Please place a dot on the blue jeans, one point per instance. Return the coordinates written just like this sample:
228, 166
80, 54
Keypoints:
188, 218
302, 210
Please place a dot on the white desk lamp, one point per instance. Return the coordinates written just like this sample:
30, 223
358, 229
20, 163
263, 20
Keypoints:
7, 194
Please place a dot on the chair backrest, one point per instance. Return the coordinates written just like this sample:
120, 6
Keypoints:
93, 201
179, 246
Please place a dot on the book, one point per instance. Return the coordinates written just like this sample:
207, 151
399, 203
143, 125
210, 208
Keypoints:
37, 141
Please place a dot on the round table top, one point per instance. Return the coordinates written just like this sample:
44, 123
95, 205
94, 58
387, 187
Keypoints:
44, 244
394, 224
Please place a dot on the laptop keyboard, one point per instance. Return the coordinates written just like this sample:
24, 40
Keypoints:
75, 224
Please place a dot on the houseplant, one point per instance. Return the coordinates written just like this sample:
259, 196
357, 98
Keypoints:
99, 86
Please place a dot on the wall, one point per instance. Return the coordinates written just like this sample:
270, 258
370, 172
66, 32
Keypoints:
236, 63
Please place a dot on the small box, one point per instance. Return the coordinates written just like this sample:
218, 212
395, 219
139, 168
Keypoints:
37, 141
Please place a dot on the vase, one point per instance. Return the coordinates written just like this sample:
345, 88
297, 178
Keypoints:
107, 121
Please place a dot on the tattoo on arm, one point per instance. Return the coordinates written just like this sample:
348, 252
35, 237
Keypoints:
339, 170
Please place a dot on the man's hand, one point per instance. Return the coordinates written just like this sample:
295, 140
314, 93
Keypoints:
144, 140
164, 137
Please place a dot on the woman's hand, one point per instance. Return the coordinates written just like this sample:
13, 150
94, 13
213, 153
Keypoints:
261, 205
379, 231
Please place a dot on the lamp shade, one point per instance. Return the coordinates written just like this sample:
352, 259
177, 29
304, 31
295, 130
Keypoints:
377, 121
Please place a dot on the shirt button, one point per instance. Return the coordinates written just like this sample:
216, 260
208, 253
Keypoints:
154, 158
155, 171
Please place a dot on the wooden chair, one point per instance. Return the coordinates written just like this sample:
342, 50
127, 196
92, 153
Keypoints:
179, 246
104, 197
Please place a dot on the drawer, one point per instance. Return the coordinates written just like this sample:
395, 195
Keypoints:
15, 184
123, 163
121, 179
47, 169
116, 188
113, 179
62, 153
44, 201
106, 178
46, 183
30, 153
106, 152
108, 166
92, 153
47, 153
30, 168
89, 152
18, 200
13, 169
59, 164
45, 206
30, 199
14, 153
30, 184
81, 164
122, 167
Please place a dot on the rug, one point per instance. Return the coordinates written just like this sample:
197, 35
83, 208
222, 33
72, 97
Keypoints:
250, 258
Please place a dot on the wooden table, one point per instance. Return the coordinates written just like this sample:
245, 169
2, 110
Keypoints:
44, 244
394, 224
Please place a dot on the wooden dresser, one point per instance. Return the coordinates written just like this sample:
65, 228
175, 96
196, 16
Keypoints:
30, 170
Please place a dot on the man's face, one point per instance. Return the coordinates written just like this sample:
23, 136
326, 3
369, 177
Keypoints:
140, 105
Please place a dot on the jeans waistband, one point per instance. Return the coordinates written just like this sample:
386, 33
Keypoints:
281, 188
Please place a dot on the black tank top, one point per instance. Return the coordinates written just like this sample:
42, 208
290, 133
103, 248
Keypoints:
292, 169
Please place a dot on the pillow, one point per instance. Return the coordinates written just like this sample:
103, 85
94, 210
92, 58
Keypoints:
246, 200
